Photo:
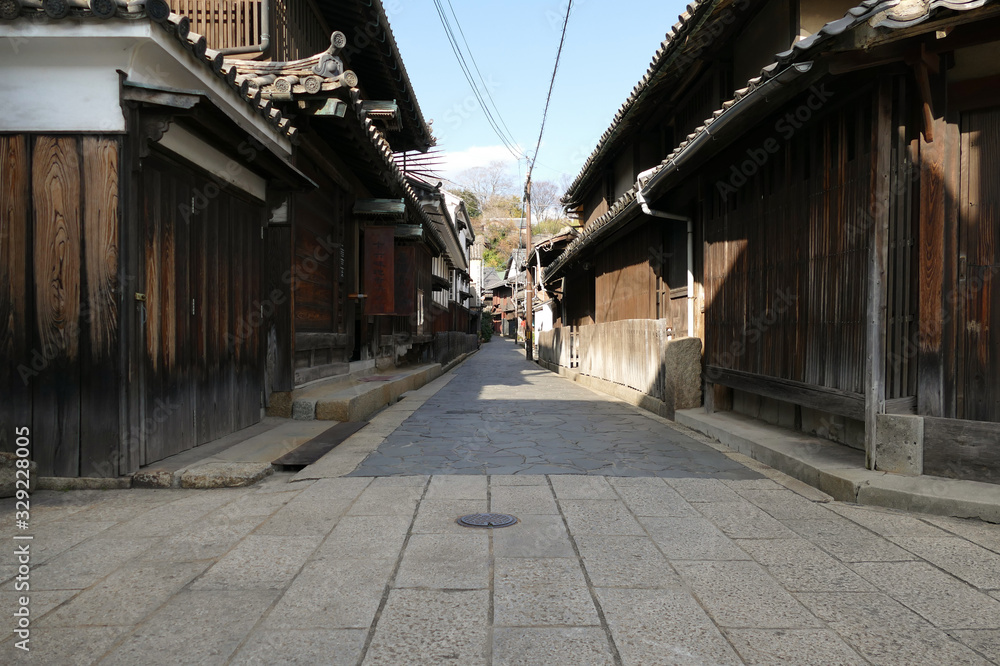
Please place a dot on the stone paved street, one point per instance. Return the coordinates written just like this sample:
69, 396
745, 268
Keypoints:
666, 551
502, 415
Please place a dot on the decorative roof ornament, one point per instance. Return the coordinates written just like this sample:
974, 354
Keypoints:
315, 77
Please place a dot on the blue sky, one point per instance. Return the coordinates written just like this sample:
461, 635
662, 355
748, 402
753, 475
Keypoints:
608, 47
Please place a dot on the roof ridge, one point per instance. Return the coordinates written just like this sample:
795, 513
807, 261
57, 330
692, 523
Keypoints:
867, 11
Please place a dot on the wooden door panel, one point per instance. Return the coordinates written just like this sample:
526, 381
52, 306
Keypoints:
203, 368
979, 268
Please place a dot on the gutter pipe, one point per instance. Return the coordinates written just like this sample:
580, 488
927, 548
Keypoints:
264, 47
641, 198
656, 174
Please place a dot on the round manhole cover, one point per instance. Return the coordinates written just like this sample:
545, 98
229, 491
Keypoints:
487, 520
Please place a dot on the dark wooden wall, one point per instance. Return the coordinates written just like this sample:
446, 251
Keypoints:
320, 218
786, 255
644, 276
579, 306
979, 267
626, 284
59, 300
425, 290
203, 374
323, 247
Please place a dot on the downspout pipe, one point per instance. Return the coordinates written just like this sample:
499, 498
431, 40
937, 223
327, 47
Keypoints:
264, 47
655, 175
644, 204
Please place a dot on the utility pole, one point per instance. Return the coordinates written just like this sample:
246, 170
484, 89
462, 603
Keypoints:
529, 287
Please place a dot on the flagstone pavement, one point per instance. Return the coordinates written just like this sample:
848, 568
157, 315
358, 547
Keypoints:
637, 543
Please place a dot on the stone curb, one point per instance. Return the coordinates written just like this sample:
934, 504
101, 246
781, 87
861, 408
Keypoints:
83, 483
225, 474
840, 471
360, 402
457, 361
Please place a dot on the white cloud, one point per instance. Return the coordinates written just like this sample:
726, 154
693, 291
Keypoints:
454, 163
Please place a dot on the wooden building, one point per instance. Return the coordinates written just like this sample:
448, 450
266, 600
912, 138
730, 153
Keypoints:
174, 257
827, 228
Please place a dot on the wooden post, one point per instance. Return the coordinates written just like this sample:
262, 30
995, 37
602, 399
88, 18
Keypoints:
529, 290
878, 259
931, 265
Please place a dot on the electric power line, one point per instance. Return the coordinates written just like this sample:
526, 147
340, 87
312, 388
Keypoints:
508, 142
476, 65
548, 99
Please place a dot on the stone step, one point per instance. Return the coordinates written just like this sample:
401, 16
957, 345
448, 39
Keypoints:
358, 398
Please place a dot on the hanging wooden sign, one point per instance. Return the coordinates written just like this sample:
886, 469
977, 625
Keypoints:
379, 275
406, 279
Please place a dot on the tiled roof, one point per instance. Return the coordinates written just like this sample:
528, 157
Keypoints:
885, 14
372, 51
309, 77
686, 23
157, 11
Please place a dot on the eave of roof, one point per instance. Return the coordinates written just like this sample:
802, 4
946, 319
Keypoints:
690, 20
878, 14
377, 59
158, 12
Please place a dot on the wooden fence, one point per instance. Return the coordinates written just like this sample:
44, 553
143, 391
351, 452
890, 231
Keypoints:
560, 346
636, 353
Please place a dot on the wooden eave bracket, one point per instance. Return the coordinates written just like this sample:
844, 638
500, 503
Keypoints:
168, 97
923, 63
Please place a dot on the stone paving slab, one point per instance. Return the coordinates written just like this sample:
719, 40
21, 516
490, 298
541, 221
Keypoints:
400, 588
884, 631
544, 646
638, 566
531, 421
663, 626
432, 627
803, 647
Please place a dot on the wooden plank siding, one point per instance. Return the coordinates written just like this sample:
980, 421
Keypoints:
16, 297
320, 249
786, 255
962, 449
99, 385
278, 289
979, 267
56, 196
203, 353
59, 300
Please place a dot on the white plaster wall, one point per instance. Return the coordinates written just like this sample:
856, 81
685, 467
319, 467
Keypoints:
63, 76
543, 318
60, 78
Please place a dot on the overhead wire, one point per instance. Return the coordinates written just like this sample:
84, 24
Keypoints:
476, 65
507, 141
548, 99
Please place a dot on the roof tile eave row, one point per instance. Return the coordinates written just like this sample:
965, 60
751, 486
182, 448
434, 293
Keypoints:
798, 53
157, 11
385, 151
660, 58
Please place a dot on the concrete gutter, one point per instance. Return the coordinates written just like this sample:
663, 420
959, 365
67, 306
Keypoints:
840, 471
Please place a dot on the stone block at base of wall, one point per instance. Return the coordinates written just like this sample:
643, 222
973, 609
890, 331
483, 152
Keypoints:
899, 444
682, 373
8, 474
